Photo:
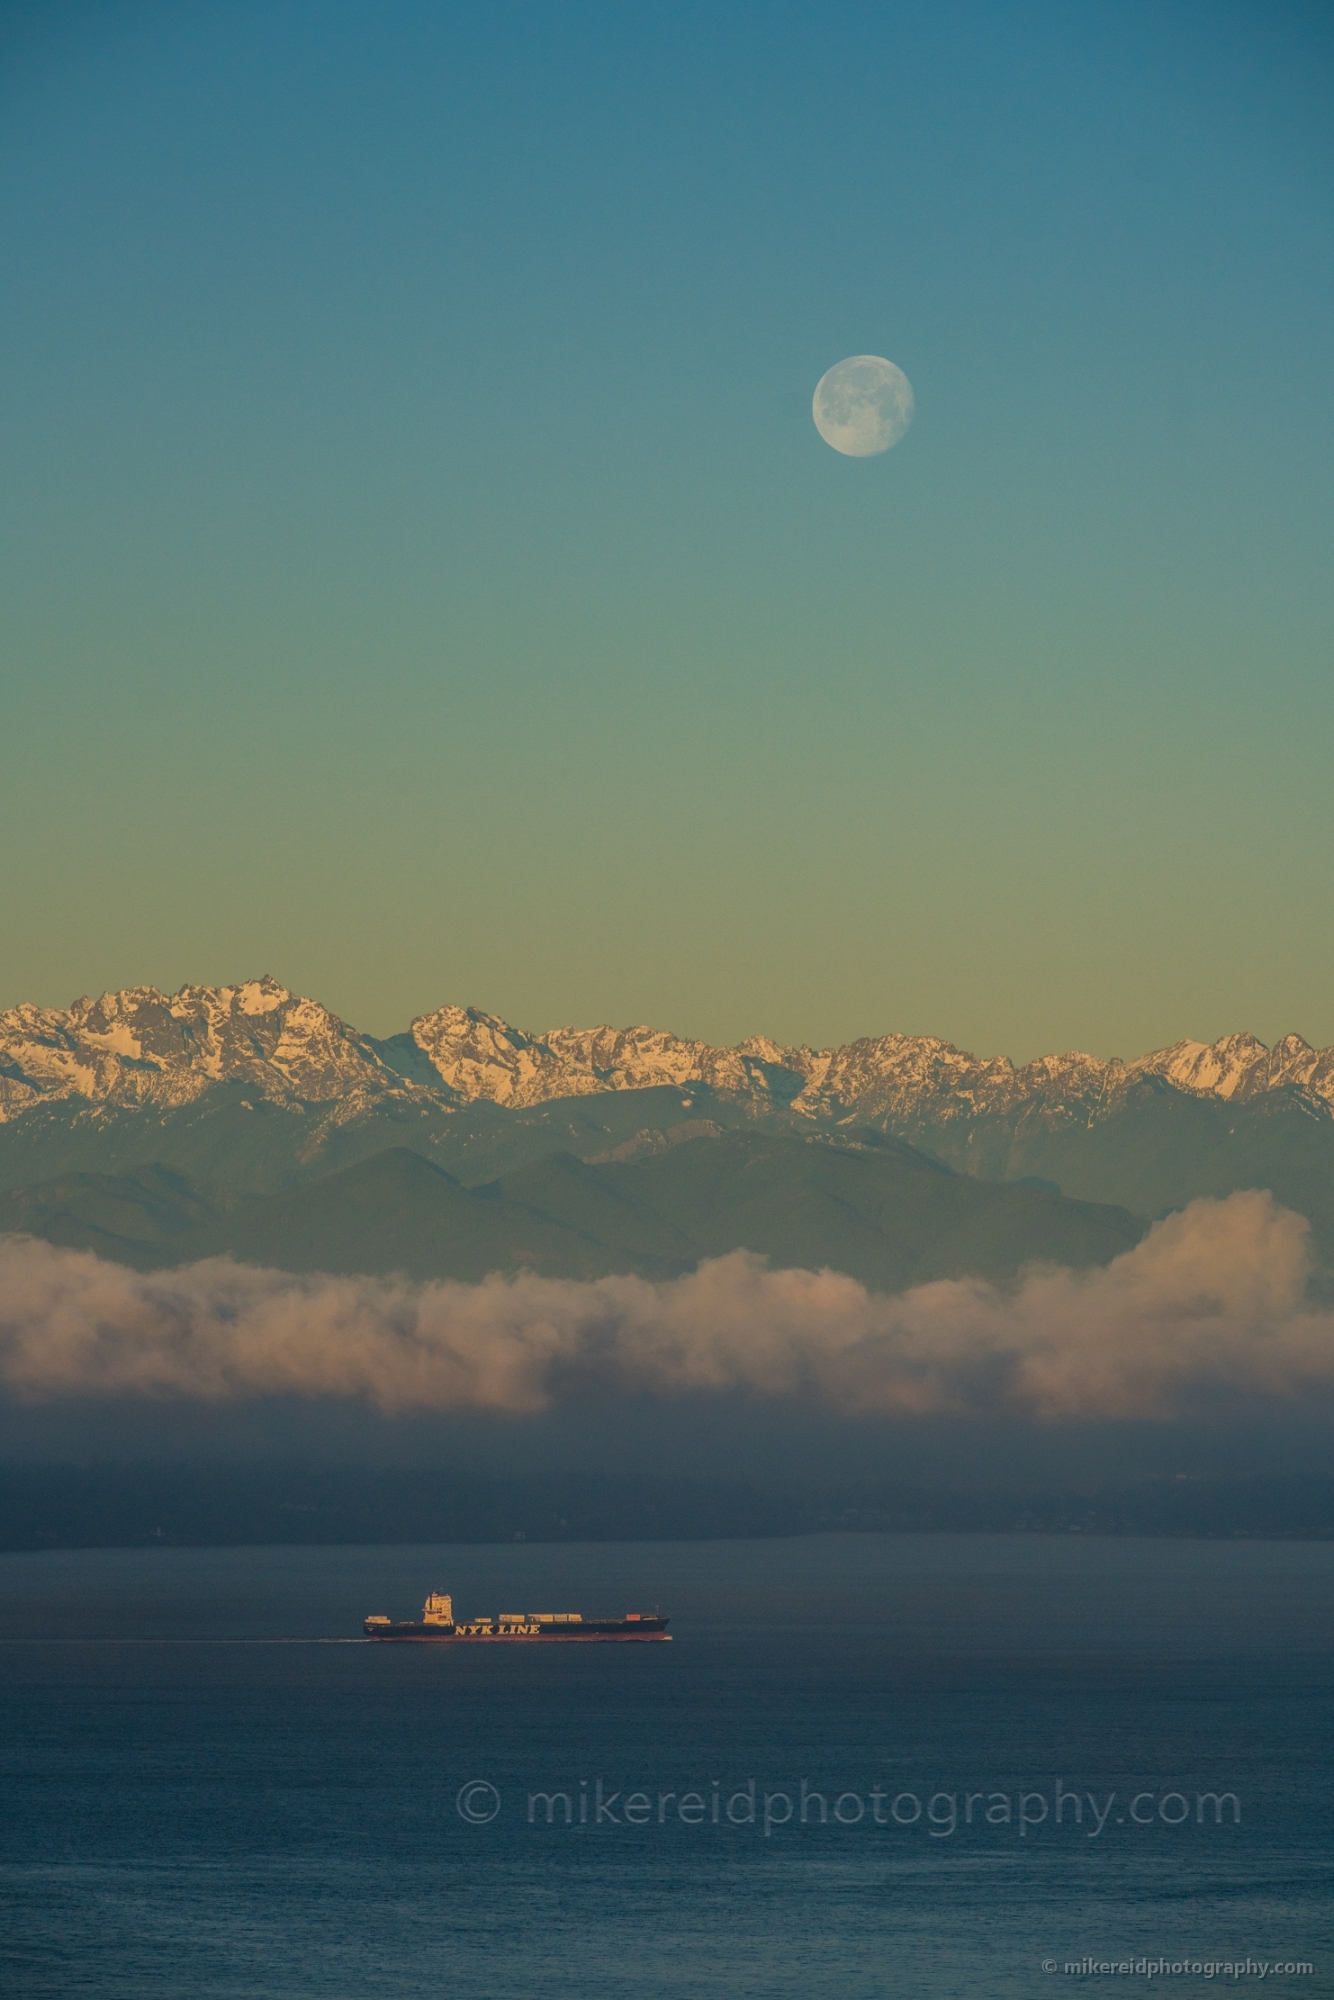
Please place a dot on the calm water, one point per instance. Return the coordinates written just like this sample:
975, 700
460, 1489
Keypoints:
204, 1796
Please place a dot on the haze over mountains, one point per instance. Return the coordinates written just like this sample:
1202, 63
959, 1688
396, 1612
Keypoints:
161, 1131
155, 1127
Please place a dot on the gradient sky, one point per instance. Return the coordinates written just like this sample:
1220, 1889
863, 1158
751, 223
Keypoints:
424, 581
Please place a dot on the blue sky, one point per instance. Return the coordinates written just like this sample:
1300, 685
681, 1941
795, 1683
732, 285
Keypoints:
424, 580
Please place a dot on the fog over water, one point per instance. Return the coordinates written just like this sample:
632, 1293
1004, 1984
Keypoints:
1203, 1347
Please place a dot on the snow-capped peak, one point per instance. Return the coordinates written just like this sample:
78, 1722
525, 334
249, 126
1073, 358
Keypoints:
144, 1047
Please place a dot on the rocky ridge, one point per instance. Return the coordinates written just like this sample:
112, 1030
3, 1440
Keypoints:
141, 1047
899, 1077
144, 1048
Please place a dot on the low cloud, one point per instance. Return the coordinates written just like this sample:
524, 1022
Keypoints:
1214, 1300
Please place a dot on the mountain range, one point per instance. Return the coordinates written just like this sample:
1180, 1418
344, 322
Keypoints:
141, 1047
248, 1118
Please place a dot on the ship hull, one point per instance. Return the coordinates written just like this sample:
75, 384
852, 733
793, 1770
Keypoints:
644, 1631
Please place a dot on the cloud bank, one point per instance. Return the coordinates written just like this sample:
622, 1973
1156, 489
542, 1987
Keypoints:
1213, 1300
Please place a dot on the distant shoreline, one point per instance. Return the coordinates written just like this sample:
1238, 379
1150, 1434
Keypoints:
273, 1503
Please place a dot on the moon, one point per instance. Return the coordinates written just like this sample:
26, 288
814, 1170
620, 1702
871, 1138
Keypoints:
862, 405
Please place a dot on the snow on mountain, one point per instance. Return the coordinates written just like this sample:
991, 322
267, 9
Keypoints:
143, 1047
894, 1078
1240, 1066
478, 1055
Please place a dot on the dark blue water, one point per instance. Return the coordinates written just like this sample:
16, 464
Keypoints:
204, 1796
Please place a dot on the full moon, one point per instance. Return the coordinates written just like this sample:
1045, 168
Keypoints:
862, 405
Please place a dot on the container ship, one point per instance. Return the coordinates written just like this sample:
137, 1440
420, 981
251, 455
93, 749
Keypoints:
438, 1626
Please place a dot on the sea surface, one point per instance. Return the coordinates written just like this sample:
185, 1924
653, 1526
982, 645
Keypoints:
213, 1787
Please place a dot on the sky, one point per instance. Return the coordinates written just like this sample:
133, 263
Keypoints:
423, 580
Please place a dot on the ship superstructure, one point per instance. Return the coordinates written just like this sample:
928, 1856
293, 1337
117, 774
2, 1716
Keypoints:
438, 1625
